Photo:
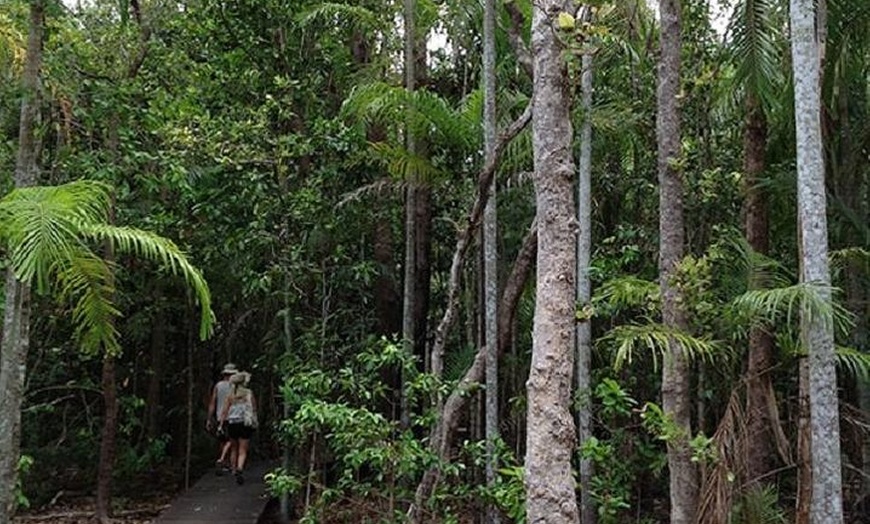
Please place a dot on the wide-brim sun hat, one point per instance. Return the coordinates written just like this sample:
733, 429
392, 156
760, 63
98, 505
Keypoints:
230, 369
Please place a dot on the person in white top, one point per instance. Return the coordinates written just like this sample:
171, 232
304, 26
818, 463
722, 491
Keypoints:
239, 417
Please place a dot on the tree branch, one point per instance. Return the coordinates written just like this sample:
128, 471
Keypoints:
464, 238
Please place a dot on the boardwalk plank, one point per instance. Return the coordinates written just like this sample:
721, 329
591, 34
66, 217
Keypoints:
219, 500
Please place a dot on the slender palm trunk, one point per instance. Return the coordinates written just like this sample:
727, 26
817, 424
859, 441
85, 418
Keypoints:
583, 356
676, 389
16, 316
550, 439
409, 335
490, 257
816, 331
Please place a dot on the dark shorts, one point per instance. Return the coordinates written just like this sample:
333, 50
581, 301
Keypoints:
239, 430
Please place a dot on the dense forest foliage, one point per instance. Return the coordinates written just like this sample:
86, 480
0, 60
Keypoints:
487, 261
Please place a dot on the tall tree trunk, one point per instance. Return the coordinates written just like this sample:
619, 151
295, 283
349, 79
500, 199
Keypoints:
759, 390
676, 390
490, 255
424, 203
16, 315
409, 309
155, 376
817, 335
108, 435
110, 387
583, 355
550, 440
804, 447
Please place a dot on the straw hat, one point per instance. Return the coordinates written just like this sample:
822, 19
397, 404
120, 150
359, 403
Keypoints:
229, 369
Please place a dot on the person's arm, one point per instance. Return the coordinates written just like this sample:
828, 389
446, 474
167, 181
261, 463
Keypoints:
225, 411
212, 404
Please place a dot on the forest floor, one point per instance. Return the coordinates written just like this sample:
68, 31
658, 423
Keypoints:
81, 511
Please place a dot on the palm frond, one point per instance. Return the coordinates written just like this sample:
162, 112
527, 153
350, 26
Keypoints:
402, 165
657, 338
764, 306
840, 257
627, 292
48, 232
761, 270
159, 249
332, 12
755, 34
87, 281
760, 505
426, 113
853, 362
39, 225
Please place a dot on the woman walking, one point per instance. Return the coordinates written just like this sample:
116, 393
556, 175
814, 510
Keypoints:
240, 416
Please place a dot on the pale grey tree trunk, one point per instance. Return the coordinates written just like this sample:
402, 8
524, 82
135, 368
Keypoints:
804, 447
550, 439
676, 390
490, 255
408, 304
583, 355
817, 334
16, 317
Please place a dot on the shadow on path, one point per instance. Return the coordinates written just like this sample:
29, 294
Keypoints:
219, 500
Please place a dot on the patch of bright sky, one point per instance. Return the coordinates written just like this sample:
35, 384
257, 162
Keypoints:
720, 11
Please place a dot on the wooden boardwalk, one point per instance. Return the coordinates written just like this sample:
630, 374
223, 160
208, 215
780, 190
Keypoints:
219, 500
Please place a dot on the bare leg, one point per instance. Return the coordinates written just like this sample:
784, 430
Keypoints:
243, 453
241, 458
225, 451
234, 454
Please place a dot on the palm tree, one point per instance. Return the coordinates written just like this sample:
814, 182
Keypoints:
50, 235
490, 257
756, 54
